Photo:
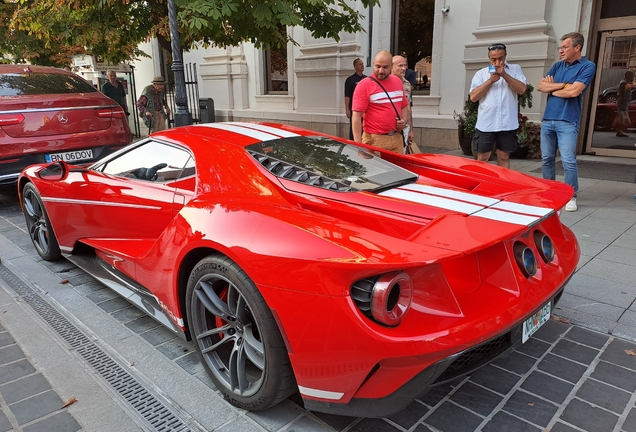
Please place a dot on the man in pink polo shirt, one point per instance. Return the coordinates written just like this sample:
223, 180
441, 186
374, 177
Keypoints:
380, 99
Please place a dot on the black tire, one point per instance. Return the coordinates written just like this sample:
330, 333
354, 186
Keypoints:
604, 119
38, 224
236, 335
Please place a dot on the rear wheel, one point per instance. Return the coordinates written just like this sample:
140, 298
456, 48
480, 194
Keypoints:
38, 224
604, 119
236, 335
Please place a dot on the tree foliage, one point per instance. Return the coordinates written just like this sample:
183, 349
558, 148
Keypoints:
52, 30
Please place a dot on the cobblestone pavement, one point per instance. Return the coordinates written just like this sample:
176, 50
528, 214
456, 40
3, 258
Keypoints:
568, 377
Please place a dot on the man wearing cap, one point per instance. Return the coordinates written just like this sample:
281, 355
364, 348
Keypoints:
153, 106
496, 87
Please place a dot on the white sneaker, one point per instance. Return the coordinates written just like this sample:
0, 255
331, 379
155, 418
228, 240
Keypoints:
571, 205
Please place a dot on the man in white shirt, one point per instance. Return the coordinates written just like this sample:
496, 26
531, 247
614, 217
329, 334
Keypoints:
496, 88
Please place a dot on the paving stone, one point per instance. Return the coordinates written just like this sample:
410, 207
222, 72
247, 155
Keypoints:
615, 353
35, 407
436, 394
534, 347
551, 331
24, 388
175, 348
588, 337
495, 379
190, 363
13, 371
142, 324
630, 421
303, 424
89, 287
615, 375
604, 396
451, 418
102, 295
549, 387
337, 422
505, 422
373, 425
158, 335
114, 304
476, 398
277, 416
10, 353
563, 368
575, 351
562, 427
61, 422
423, 428
5, 423
588, 418
516, 362
410, 415
128, 314
531, 408
6, 339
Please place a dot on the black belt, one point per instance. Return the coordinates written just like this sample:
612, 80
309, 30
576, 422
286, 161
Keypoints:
389, 133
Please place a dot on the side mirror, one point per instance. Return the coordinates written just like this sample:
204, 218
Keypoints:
53, 172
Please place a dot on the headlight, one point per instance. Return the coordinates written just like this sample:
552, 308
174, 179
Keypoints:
544, 246
386, 298
525, 258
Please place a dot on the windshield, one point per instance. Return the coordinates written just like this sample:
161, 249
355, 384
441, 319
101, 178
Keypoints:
305, 158
14, 84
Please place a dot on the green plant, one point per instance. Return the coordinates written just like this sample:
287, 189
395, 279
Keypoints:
468, 117
529, 133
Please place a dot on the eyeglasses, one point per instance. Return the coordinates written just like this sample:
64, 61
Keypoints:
563, 48
497, 47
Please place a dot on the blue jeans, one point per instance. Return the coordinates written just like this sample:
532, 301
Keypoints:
562, 135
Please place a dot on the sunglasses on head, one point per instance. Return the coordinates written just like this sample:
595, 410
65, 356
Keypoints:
498, 46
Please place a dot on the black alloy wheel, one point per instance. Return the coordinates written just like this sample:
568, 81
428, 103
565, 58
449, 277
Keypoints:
236, 335
38, 224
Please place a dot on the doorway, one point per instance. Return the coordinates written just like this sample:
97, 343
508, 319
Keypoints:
617, 55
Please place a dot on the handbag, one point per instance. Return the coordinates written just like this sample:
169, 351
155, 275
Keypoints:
407, 149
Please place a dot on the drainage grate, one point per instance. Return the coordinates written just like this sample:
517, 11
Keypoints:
148, 405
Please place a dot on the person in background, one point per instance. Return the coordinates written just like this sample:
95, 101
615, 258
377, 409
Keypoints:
496, 87
624, 93
115, 90
411, 76
380, 98
565, 83
399, 68
153, 106
349, 88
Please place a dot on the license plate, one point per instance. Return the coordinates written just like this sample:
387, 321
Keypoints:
532, 324
71, 156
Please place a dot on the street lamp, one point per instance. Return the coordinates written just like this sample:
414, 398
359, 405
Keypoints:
182, 117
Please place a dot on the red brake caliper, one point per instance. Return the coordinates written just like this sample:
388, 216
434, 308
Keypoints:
220, 321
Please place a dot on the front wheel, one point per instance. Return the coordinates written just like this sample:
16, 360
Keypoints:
236, 335
38, 224
604, 119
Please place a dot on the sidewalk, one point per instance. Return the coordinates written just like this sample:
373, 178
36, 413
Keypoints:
65, 336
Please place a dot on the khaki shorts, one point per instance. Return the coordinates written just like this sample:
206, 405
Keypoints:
394, 143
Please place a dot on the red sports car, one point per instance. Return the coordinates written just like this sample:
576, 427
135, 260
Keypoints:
48, 114
298, 261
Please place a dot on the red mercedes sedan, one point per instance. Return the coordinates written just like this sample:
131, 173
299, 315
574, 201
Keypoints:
49, 115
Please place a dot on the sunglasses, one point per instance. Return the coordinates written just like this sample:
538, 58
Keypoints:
497, 47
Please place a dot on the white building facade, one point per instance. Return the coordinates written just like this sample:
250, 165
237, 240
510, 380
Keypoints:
249, 84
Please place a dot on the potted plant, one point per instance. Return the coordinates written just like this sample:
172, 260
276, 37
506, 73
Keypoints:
529, 133
466, 122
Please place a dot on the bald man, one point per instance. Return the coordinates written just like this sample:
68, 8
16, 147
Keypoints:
380, 99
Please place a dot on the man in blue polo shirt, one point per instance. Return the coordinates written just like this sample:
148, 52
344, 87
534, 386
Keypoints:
565, 83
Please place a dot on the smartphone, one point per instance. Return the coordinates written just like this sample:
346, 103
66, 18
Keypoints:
491, 69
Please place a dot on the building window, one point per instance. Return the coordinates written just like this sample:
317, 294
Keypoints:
276, 70
412, 37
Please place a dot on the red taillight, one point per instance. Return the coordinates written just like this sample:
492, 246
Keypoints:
110, 113
11, 119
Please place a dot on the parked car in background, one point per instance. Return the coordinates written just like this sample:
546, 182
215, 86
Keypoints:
299, 262
610, 94
606, 114
49, 114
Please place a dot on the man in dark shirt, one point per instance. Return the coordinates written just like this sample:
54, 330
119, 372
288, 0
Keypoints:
350, 86
115, 90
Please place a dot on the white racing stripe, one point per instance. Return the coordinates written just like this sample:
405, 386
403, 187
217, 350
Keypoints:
470, 204
269, 129
262, 136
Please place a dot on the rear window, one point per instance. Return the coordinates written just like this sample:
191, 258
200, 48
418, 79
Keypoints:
42, 83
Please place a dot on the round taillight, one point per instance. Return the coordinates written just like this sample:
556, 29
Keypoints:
525, 258
544, 246
391, 298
